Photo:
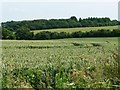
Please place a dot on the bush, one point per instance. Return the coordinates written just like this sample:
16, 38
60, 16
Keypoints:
23, 34
7, 34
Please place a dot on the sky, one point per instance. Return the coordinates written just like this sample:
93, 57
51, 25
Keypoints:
18, 10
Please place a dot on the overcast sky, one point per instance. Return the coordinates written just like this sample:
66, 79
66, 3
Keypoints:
32, 9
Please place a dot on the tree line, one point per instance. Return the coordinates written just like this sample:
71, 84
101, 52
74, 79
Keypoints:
46, 35
71, 22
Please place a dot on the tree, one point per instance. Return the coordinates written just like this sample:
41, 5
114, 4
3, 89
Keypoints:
43, 35
72, 22
0, 32
7, 34
73, 18
24, 34
77, 34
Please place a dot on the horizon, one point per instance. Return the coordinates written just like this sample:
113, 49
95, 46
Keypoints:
54, 18
19, 11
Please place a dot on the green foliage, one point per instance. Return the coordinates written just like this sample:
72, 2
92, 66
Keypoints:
7, 34
0, 32
72, 22
96, 44
63, 65
24, 33
111, 71
43, 35
46, 35
73, 18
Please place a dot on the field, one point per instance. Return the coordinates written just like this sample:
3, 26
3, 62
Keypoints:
64, 63
70, 30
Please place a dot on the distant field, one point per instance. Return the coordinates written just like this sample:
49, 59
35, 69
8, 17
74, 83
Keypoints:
70, 30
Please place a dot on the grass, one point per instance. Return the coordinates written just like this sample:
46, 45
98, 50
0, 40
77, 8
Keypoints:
63, 63
70, 30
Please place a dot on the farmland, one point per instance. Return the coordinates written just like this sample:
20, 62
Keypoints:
63, 63
70, 30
